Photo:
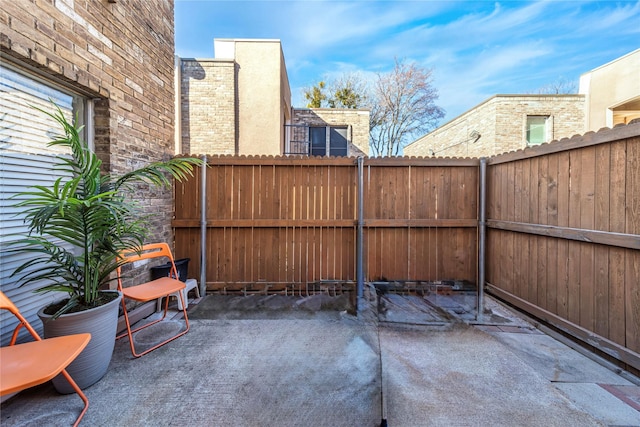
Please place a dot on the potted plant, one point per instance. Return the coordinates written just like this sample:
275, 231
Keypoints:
96, 217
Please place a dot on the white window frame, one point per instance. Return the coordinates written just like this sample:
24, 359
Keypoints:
548, 128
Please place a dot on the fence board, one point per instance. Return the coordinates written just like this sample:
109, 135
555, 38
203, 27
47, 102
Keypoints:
532, 282
543, 188
587, 221
563, 245
633, 187
632, 299
554, 295
562, 280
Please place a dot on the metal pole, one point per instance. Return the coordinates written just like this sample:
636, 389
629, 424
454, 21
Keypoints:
360, 236
203, 227
482, 237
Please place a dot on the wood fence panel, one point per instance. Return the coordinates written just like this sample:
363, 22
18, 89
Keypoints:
400, 247
632, 290
568, 220
279, 221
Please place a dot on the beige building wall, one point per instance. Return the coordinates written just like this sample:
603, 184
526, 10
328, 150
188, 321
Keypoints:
356, 120
240, 102
263, 103
613, 92
207, 106
285, 104
499, 124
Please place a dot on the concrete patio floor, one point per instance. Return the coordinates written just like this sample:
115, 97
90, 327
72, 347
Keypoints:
259, 361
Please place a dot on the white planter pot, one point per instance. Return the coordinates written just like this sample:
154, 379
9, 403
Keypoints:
91, 365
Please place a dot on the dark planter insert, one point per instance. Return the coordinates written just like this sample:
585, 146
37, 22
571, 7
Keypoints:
182, 265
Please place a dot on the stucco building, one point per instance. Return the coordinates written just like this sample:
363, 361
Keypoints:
608, 95
612, 92
239, 102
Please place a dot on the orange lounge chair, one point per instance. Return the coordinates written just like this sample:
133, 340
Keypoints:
33, 363
149, 291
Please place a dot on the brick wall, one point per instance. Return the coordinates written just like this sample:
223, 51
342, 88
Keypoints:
208, 106
358, 120
500, 123
120, 53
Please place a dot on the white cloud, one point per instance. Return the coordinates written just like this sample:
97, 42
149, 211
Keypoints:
477, 48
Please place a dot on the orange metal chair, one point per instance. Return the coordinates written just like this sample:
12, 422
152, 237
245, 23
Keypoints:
149, 291
33, 363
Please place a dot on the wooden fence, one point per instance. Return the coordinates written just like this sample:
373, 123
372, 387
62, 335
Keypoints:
563, 238
563, 228
290, 223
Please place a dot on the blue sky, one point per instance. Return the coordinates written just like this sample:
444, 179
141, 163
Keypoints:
476, 48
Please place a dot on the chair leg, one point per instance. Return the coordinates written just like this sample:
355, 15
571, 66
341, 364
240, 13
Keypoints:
80, 393
130, 331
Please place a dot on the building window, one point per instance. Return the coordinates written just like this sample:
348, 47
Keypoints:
537, 129
25, 160
336, 145
318, 141
338, 142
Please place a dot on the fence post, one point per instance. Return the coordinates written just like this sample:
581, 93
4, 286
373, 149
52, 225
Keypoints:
482, 237
203, 227
360, 236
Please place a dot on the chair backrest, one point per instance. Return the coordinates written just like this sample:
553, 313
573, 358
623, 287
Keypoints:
7, 304
151, 250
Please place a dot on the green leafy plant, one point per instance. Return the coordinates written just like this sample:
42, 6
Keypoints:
95, 213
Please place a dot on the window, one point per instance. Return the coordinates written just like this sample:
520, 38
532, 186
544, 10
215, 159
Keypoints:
318, 140
338, 142
336, 146
25, 160
537, 129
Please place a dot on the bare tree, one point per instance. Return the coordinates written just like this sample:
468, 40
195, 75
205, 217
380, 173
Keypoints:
403, 107
402, 104
560, 86
348, 91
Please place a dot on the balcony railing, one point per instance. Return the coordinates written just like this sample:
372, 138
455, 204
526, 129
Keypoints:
297, 148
